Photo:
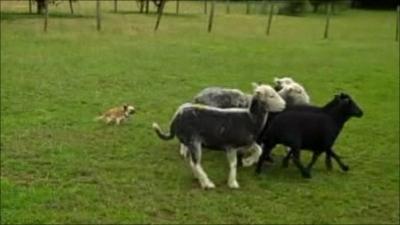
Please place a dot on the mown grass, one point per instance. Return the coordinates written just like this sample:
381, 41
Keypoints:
59, 166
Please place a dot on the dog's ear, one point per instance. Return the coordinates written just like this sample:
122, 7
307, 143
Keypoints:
125, 107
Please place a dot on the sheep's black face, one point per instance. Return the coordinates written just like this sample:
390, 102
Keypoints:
278, 86
352, 108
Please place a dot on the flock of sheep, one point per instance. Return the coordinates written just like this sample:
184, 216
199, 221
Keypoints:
235, 122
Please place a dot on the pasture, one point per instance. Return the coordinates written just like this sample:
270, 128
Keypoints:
59, 166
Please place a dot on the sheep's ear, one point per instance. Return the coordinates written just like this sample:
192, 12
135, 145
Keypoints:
298, 90
125, 107
254, 85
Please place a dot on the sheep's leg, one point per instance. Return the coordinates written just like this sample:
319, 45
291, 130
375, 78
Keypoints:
328, 161
195, 159
266, 151
296, 160
254, 157
183, 151
313, 160
285, 161
232, 159
239, 159
338, 160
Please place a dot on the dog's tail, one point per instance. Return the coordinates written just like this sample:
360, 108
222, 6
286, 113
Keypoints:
99, 118
161, 134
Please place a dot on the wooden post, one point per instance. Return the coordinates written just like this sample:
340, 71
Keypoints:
247, 7
98, 15
141, 6
398, 23
115, 6
228, 6
205, 6
71, 7
271, 13
46, 14
160, 12
30, 6
211, 18
147, 6
177, 7
328, 15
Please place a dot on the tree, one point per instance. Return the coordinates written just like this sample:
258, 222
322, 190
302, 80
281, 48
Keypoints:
41, 6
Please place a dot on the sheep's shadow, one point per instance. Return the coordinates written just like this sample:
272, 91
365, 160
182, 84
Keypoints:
10, 16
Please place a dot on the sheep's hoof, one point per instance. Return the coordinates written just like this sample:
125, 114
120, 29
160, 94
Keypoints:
345, 168
233, 184
208, 185
247, 162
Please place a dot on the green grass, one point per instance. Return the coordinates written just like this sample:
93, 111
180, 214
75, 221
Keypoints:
59, 166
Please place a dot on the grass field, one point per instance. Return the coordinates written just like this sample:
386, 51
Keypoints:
59, 166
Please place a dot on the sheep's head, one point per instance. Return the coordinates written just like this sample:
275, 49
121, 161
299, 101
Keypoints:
295, 93
350, 106
271, 100
281, 82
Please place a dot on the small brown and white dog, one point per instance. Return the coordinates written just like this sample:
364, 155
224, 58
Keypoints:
117, 114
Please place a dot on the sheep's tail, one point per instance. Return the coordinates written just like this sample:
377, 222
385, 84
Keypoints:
163, 135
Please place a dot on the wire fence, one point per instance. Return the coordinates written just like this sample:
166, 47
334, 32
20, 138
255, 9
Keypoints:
158, 8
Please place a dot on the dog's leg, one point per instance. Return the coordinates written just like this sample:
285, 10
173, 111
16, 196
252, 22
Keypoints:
118, 120
109, 120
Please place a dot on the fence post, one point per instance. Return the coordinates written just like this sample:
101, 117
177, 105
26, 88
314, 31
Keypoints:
271, 13
115, 5
205, 6
98, 16
247, 6
71, 7
147, 6
228, 8
160, 12
211, 18
177, 7
328, 16
398, 23
46, 15
30, 6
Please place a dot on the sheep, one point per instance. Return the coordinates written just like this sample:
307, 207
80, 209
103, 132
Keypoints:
223, 97
294, 94
315, 129
281, 82
222, 129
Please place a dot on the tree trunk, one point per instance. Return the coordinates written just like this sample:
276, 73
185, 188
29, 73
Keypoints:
41, 6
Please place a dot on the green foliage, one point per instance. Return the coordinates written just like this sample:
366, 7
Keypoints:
59, 166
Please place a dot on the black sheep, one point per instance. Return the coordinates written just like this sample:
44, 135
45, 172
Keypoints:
314, 129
